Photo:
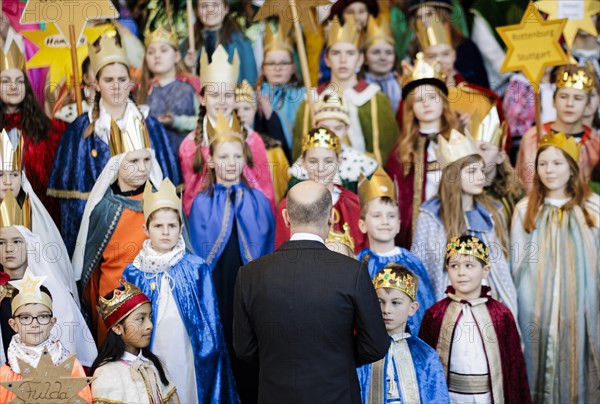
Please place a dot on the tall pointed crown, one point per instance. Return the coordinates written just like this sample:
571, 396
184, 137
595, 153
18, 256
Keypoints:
134, 137
379, 185
123, 302
165, 197
454, 149
107, 51
423, 73
220, 70
13, 59
348, 33
468, 245
331, 106
397, 277
30, 291
578, 77
489, 129
223, 131
434, 33
559, 140
378, 31
161, 33
321, 137
12, 157
344, 239
11, 214
245, 93
278, 41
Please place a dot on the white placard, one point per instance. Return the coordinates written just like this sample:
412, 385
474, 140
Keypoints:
572, 9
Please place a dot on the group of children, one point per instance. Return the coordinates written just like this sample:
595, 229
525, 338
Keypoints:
132, 220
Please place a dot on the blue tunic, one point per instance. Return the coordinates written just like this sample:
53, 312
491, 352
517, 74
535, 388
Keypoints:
285, 100
75, 170
425, 293
196, 301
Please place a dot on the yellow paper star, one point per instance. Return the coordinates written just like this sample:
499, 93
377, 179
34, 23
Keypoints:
30, 284
48, 383
65, 12
55, 52
590, 7
283, 10
532, 45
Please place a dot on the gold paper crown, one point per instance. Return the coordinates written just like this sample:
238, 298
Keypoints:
321, 137
559, 140
388, 279
277, 41
134, 137
468, 245
12, 158
489, 129
342, 238
331, 106
454, 149
11, 214
109, 52
121, 304
423, 73
348, 33
578, 77
161, 33
30, 292
380, 185
220, 70
223, 131
165, 197
14, 59
435, 33
245, 93
378, 31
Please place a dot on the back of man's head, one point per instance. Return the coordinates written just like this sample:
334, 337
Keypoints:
309, 206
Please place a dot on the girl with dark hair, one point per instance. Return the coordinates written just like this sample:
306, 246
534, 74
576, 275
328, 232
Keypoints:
126, 371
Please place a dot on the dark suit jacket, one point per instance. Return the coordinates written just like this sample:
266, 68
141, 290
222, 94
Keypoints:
309, 317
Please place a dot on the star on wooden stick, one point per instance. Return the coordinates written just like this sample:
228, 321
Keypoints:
48, 383
283, 10
588, 8
532, 45
63, 13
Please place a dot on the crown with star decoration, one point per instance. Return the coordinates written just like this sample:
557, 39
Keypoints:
422, 73
29, 292
455, 148
378, 32
107, 51
468, 245
11, 214
379, 185
219, 70
165, 197
13, 59
124, 300
12, 157
396, 276
133, 137
321, 137
277, 41
561, 141
161, 33
223, 131
578, 77
347, 33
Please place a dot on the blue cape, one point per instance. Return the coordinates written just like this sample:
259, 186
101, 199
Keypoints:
211, 222
285, 101
197, 304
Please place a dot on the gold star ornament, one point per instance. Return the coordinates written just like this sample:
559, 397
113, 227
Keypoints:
532, 45
48, 383
63, 13
571, 9
283, 10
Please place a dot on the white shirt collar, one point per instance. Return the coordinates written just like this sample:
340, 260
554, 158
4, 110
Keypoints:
129, 357
307, 237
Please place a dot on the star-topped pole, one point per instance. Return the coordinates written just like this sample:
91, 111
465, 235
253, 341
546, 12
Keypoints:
70, 18
291, 13
532, 45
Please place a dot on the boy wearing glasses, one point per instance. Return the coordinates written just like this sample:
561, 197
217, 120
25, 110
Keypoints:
32, 321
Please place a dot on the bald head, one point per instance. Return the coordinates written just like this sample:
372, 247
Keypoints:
309, 205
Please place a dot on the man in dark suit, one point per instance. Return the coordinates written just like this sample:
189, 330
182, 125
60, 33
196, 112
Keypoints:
308, 316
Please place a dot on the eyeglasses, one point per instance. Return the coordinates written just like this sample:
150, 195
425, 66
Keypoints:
42, 319
279, 64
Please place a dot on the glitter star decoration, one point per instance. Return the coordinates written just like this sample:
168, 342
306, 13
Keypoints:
63, 13
588, 7
48, 383
532, 45
283, 10
30, 284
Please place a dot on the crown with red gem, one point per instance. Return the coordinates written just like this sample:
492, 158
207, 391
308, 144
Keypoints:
123, 302
396, 276
468, 245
